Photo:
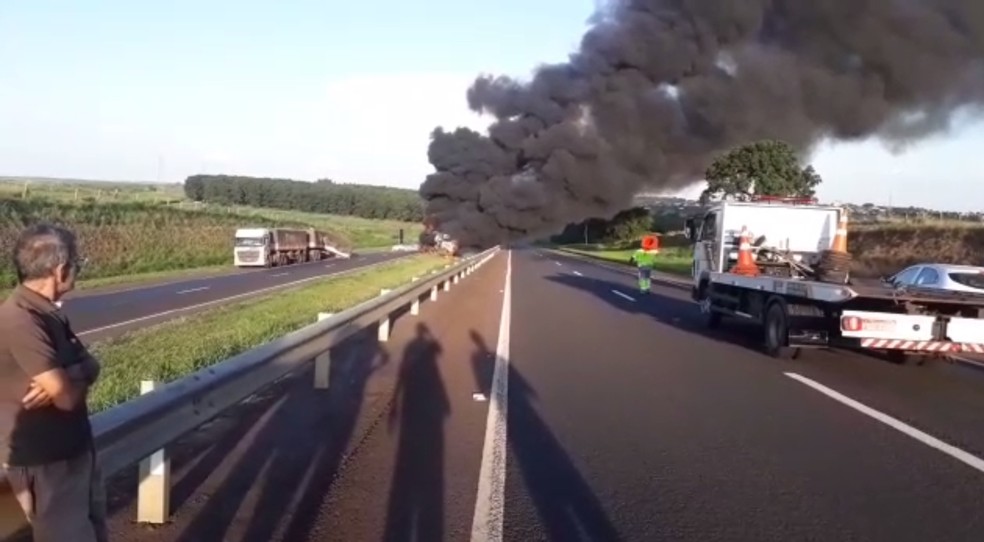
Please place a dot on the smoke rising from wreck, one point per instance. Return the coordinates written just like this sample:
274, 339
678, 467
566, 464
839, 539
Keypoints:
659, 88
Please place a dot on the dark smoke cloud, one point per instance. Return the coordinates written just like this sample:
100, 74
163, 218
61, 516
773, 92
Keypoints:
659, 88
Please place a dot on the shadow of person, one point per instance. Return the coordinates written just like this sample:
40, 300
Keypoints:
567, 507
420, 401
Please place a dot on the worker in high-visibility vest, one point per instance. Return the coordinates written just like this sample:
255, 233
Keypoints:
645, 260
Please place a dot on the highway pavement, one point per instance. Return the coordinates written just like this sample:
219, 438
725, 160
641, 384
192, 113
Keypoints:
100, 315
544, 398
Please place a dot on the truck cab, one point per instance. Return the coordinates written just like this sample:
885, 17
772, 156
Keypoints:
252, 247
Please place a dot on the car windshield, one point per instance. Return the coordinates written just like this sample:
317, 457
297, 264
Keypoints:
970, 279
249, 241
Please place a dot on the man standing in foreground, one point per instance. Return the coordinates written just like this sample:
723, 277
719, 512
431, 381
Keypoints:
46, 445
645, 260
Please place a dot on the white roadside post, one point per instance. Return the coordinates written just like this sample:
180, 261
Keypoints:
447, 285
384, 324
415, 305
322, 362
154, 490
433, 293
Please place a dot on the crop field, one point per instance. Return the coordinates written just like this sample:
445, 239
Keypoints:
131, 229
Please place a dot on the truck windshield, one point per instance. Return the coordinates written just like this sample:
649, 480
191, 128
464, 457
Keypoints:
972, 280
249, 241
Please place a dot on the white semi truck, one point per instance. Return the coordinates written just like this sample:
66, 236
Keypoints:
268, 247
800, 294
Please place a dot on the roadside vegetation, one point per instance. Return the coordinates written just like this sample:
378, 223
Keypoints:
181, 346
139, 232
672, 260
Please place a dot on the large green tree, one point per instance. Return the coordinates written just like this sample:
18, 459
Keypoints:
764, 168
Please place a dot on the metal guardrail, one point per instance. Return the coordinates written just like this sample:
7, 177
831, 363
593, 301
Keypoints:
134, 430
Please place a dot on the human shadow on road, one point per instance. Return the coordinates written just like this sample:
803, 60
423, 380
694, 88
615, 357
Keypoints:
567, 507
294, 455
421, 405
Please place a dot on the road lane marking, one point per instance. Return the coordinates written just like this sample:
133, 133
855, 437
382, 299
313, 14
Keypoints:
558, 264
900, 426
232, 297
280, 275
489, 502
190, 290
578, 273
620, 294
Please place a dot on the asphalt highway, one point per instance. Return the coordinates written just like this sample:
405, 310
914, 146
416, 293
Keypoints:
544, 398
99, 315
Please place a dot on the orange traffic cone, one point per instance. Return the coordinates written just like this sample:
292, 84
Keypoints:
840, 238
746, 264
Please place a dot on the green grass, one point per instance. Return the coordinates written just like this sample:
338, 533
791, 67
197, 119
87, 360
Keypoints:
673, 260
178, 347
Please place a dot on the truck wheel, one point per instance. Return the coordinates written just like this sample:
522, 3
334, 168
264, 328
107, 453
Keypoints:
711, 319
901, 357
777, 333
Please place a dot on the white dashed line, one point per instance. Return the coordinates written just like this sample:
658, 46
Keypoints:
900, 426
578, 273
620, 294
558, 264
190, 290
489, 502
280, 275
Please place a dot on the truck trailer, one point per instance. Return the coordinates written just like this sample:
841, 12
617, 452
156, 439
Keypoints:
782, 265
269, 247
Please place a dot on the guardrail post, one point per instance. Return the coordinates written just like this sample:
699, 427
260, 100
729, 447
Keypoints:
322, 362
154, 491
384, 324
447, 285
456, 278
415, 306
433, 293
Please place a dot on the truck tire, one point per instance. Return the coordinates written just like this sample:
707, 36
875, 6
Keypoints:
901, 357
776, 332
710, 318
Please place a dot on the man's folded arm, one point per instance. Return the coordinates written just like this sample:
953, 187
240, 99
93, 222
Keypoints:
34, 351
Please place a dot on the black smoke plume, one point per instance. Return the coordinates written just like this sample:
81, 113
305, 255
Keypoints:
659, 88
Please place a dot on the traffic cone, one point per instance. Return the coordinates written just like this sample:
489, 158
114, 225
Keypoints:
746, 263
840, 238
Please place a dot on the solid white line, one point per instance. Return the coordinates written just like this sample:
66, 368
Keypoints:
230, 298
280, 275
620, 294
489, 502
578, 273
900, 426
188, 291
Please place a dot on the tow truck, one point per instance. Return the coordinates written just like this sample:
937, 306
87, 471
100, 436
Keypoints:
782, 265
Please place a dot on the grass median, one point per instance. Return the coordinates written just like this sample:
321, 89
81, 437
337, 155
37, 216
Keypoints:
672, 260
181, 346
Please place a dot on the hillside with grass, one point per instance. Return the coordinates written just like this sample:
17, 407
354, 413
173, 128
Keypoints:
138, 228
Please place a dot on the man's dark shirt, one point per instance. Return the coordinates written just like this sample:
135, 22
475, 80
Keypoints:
36, 337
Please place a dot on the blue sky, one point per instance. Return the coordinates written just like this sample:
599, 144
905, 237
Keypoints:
303, 89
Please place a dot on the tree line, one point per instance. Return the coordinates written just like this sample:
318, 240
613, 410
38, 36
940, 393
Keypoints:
323, 196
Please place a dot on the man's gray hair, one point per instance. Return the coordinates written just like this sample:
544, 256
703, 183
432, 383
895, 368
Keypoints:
41, 248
